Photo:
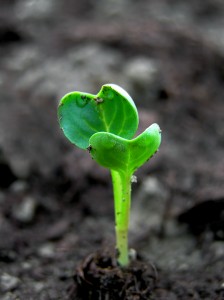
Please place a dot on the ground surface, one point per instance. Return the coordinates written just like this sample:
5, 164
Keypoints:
55, 203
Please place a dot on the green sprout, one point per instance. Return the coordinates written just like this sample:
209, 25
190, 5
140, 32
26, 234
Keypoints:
105, 124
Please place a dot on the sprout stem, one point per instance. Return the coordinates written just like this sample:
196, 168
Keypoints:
122, 203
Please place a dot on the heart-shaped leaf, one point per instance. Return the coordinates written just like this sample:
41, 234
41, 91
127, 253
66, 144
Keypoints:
122, 155
112, 110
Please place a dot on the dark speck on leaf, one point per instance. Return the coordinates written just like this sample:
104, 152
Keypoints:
89, 148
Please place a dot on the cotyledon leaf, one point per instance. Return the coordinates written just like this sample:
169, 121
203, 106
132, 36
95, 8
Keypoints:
112, 110
122, 155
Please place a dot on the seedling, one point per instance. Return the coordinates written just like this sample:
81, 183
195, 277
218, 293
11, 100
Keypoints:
104, 124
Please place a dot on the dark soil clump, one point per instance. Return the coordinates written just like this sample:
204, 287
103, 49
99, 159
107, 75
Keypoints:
99, 277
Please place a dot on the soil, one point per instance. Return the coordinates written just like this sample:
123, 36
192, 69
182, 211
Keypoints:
99, 276
56, 207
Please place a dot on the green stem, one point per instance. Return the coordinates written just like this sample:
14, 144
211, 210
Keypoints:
122, 203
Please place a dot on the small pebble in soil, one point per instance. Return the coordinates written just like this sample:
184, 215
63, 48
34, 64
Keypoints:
34, 9
21, 166
217, 249
142, 70
151, 187
8, 282
38, 286
144, 76
19, 186
46, 250
25, 211
26, 265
